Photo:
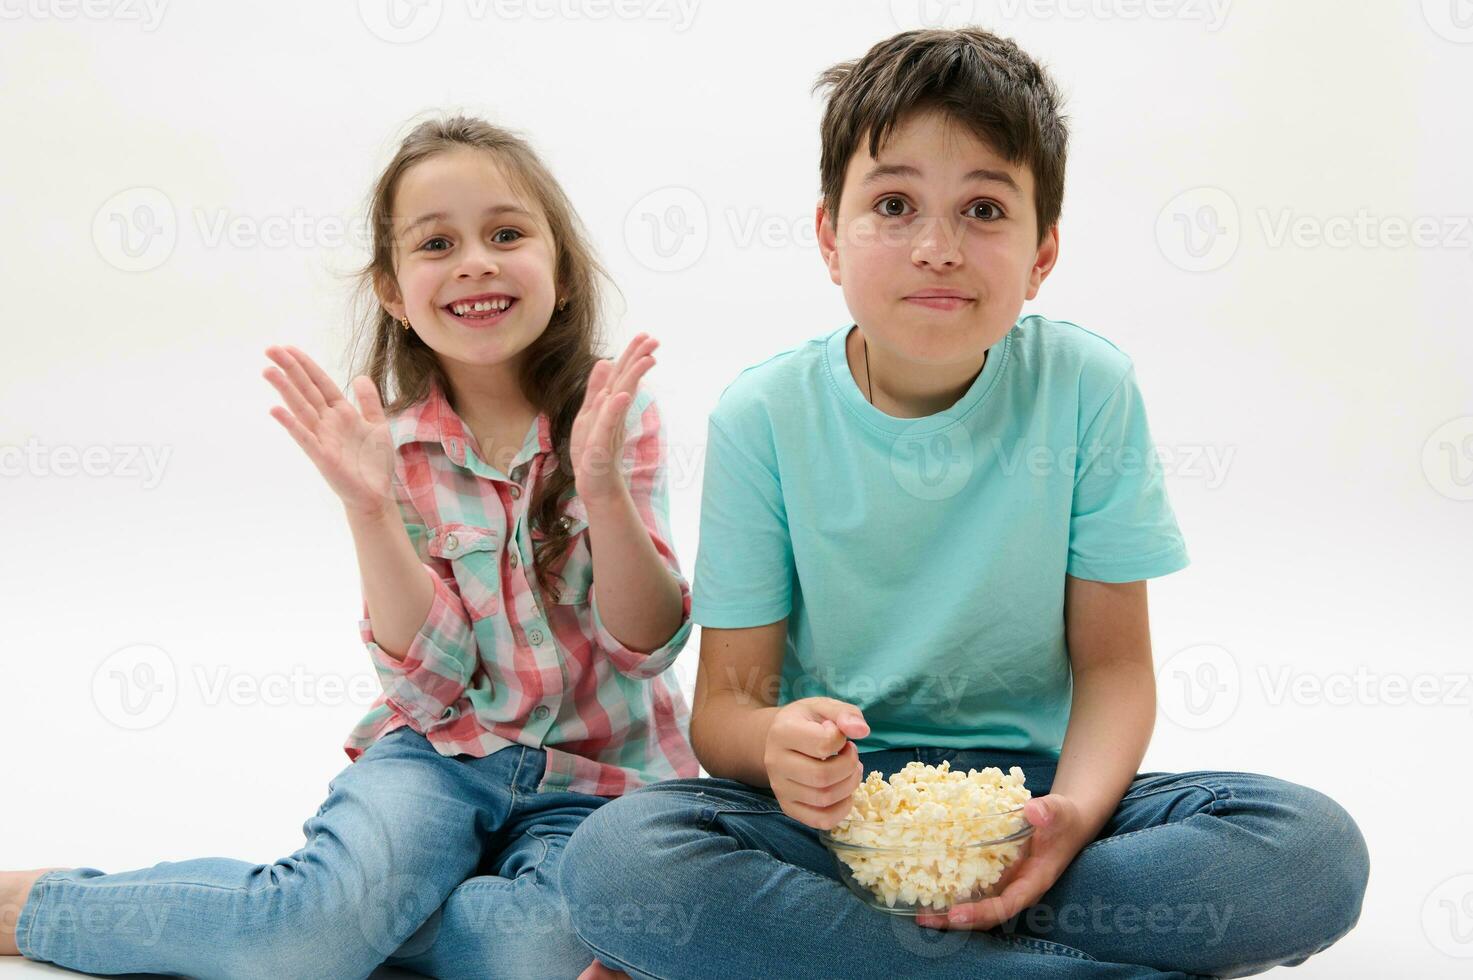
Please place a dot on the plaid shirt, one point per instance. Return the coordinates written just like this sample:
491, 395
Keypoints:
497, 662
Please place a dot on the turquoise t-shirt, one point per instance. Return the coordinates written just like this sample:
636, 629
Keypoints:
921, 562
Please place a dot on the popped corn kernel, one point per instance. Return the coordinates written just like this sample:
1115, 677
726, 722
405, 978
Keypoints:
929, 821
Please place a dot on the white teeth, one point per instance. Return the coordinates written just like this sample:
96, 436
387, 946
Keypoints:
481, 306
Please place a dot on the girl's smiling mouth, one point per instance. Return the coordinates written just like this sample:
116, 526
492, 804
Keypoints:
481, 309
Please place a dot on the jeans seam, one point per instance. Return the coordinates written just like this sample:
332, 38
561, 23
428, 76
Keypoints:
1219, 795
599, 954
1049, 947
517, 775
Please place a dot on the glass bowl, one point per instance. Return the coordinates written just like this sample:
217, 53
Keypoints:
970, 860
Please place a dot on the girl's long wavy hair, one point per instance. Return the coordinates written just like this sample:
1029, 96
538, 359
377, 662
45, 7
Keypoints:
555, 367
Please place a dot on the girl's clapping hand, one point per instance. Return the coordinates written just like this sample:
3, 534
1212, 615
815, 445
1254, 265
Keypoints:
353, 451
597, 439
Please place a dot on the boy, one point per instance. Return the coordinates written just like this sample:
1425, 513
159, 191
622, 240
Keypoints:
926, 537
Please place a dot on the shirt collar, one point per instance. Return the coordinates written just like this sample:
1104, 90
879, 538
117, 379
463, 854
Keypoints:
431, 419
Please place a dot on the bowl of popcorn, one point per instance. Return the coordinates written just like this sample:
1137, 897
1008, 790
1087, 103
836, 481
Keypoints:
929, 837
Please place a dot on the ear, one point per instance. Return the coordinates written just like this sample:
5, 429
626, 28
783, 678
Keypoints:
387, 292
1043, 263
828, 244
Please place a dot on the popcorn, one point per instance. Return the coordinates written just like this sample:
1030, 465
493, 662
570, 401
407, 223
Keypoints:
932, 822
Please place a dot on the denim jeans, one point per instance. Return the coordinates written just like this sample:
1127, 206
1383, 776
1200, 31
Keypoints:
1195, 874
444, 866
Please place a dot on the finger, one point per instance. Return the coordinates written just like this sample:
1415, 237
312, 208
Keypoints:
611, 418
637, 352
630, 380
298, 375
598, 378
823, 796
304, 412
822, 818
804, 770
845, 717
1025, 889
369, 404
303, 438
325, 385
630, 353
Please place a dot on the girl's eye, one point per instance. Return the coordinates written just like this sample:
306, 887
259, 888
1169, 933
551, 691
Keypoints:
996, 211
437, 238
891, 207
500, 232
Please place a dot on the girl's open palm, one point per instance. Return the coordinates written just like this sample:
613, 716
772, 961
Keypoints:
597, 440
353, 451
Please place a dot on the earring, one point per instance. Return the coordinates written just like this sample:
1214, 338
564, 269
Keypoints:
562, 304
404, 320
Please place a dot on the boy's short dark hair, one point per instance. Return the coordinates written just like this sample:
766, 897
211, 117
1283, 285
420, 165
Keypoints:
985, 82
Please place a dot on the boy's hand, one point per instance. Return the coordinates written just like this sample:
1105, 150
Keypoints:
1057, 839
812, 766
352, 450
597, 440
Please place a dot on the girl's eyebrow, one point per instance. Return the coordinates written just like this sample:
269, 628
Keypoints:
443, 216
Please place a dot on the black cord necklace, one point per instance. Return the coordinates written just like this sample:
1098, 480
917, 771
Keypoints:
868, 383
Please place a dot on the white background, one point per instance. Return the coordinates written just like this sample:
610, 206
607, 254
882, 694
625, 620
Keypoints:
1305, 364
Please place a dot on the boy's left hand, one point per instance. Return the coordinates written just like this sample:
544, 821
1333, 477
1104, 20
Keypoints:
597, 440
1058, 834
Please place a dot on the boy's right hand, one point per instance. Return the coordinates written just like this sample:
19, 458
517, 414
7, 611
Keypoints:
812, 766
353, 451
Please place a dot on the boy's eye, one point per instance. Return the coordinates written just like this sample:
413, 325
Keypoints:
995, 210
891, 207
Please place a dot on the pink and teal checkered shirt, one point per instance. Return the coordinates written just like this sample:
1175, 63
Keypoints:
499, 663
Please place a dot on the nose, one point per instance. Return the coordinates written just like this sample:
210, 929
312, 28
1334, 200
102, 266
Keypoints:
936, 244
477, 261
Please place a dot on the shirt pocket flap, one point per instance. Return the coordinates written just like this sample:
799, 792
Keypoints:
474, 554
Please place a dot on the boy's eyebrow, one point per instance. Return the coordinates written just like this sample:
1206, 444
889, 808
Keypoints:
906, 170
442, 216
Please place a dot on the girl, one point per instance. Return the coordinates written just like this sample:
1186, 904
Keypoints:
511, 470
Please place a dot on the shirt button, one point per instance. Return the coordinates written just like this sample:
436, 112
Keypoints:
516, 492
451, 543
513, 559
540, 712
536, 637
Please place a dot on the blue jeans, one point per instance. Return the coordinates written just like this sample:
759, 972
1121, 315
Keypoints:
444, 866
1199, 873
